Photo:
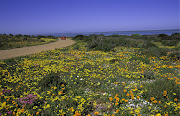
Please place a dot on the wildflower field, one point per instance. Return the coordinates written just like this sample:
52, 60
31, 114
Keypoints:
78, 81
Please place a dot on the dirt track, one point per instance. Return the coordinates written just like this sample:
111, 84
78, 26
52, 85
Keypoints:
5, 54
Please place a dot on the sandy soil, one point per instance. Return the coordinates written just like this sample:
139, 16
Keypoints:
5, 54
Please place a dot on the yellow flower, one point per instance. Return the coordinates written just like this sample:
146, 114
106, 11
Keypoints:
160, 102
48, 106
72, 109
60, 92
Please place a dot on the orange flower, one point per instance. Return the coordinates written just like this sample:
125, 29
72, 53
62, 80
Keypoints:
178, 66
164, 93
166, 115
13, 113
155, 101
117, 99
132, 97
138, 97
126, 100
117, 111
124, 91
110, 98
152, 98
165, 106
96, 113
37, 113
77, 113
127, 94
22, 110
175, 99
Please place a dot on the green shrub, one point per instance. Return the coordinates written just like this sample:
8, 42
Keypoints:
154, 51
169, 42
136, 36
53, 79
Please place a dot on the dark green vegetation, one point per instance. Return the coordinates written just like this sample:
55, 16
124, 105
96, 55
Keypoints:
17, 41
150, 45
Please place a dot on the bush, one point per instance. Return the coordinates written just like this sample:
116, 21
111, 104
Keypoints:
136, 36
53, 79
169, 42
154, 51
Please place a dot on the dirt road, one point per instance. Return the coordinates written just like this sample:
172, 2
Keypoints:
5, 54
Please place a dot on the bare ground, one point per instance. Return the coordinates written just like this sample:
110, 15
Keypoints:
5, 54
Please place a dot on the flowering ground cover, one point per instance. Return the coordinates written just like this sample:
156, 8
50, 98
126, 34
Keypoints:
76, 81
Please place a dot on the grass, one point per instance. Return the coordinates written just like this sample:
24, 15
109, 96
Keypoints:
76, 81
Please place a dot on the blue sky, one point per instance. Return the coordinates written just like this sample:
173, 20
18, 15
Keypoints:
71, 16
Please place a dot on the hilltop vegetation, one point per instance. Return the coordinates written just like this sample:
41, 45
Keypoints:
88, 79
16, 41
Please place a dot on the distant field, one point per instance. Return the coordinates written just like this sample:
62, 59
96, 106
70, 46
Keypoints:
19, 41
98, 76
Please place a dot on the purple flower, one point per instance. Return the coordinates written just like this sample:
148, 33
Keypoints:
8, 91
4, 90
9, 112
